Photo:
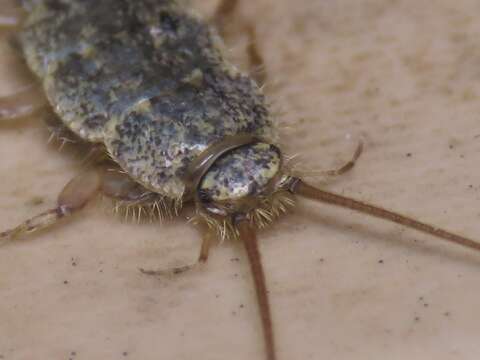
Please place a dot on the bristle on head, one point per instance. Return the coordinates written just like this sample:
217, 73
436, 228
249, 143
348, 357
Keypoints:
269, 209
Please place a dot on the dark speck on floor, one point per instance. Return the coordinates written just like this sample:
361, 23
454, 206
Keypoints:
35, 201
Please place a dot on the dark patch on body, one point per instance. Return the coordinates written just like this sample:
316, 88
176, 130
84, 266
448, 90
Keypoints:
245, 171
147, 78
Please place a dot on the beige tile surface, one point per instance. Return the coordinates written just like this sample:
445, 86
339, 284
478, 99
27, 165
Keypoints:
402, 74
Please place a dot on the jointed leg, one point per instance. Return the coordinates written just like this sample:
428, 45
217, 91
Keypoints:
335, 172
257, 64
207, 240
74, 196
23, 103
11, 18
349, 165
223, 15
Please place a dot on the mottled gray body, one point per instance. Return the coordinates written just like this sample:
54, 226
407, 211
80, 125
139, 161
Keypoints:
145, 78
228, 178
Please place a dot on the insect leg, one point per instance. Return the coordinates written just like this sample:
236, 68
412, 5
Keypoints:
207, 239
223, 15
11, 18
74, 196
257, 63
301, 172
23, 103
348, 165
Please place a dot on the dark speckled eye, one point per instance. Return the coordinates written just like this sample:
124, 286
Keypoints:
168, 22
204, 197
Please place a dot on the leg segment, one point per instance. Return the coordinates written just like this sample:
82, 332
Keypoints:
223, 15
24, 103
11, 18
207, 240
349, 165
74, 196
335, 172
257, 63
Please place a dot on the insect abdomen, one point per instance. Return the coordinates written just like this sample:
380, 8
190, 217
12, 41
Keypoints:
147, 78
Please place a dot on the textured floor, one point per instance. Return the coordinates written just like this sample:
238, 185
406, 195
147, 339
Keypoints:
402, 74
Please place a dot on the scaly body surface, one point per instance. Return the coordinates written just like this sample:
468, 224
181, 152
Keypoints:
145, 78
145, 85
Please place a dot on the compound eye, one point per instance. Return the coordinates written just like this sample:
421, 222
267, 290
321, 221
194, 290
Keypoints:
168, 22
204, 197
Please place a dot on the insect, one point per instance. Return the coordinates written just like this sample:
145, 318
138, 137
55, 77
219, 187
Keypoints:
231, 201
